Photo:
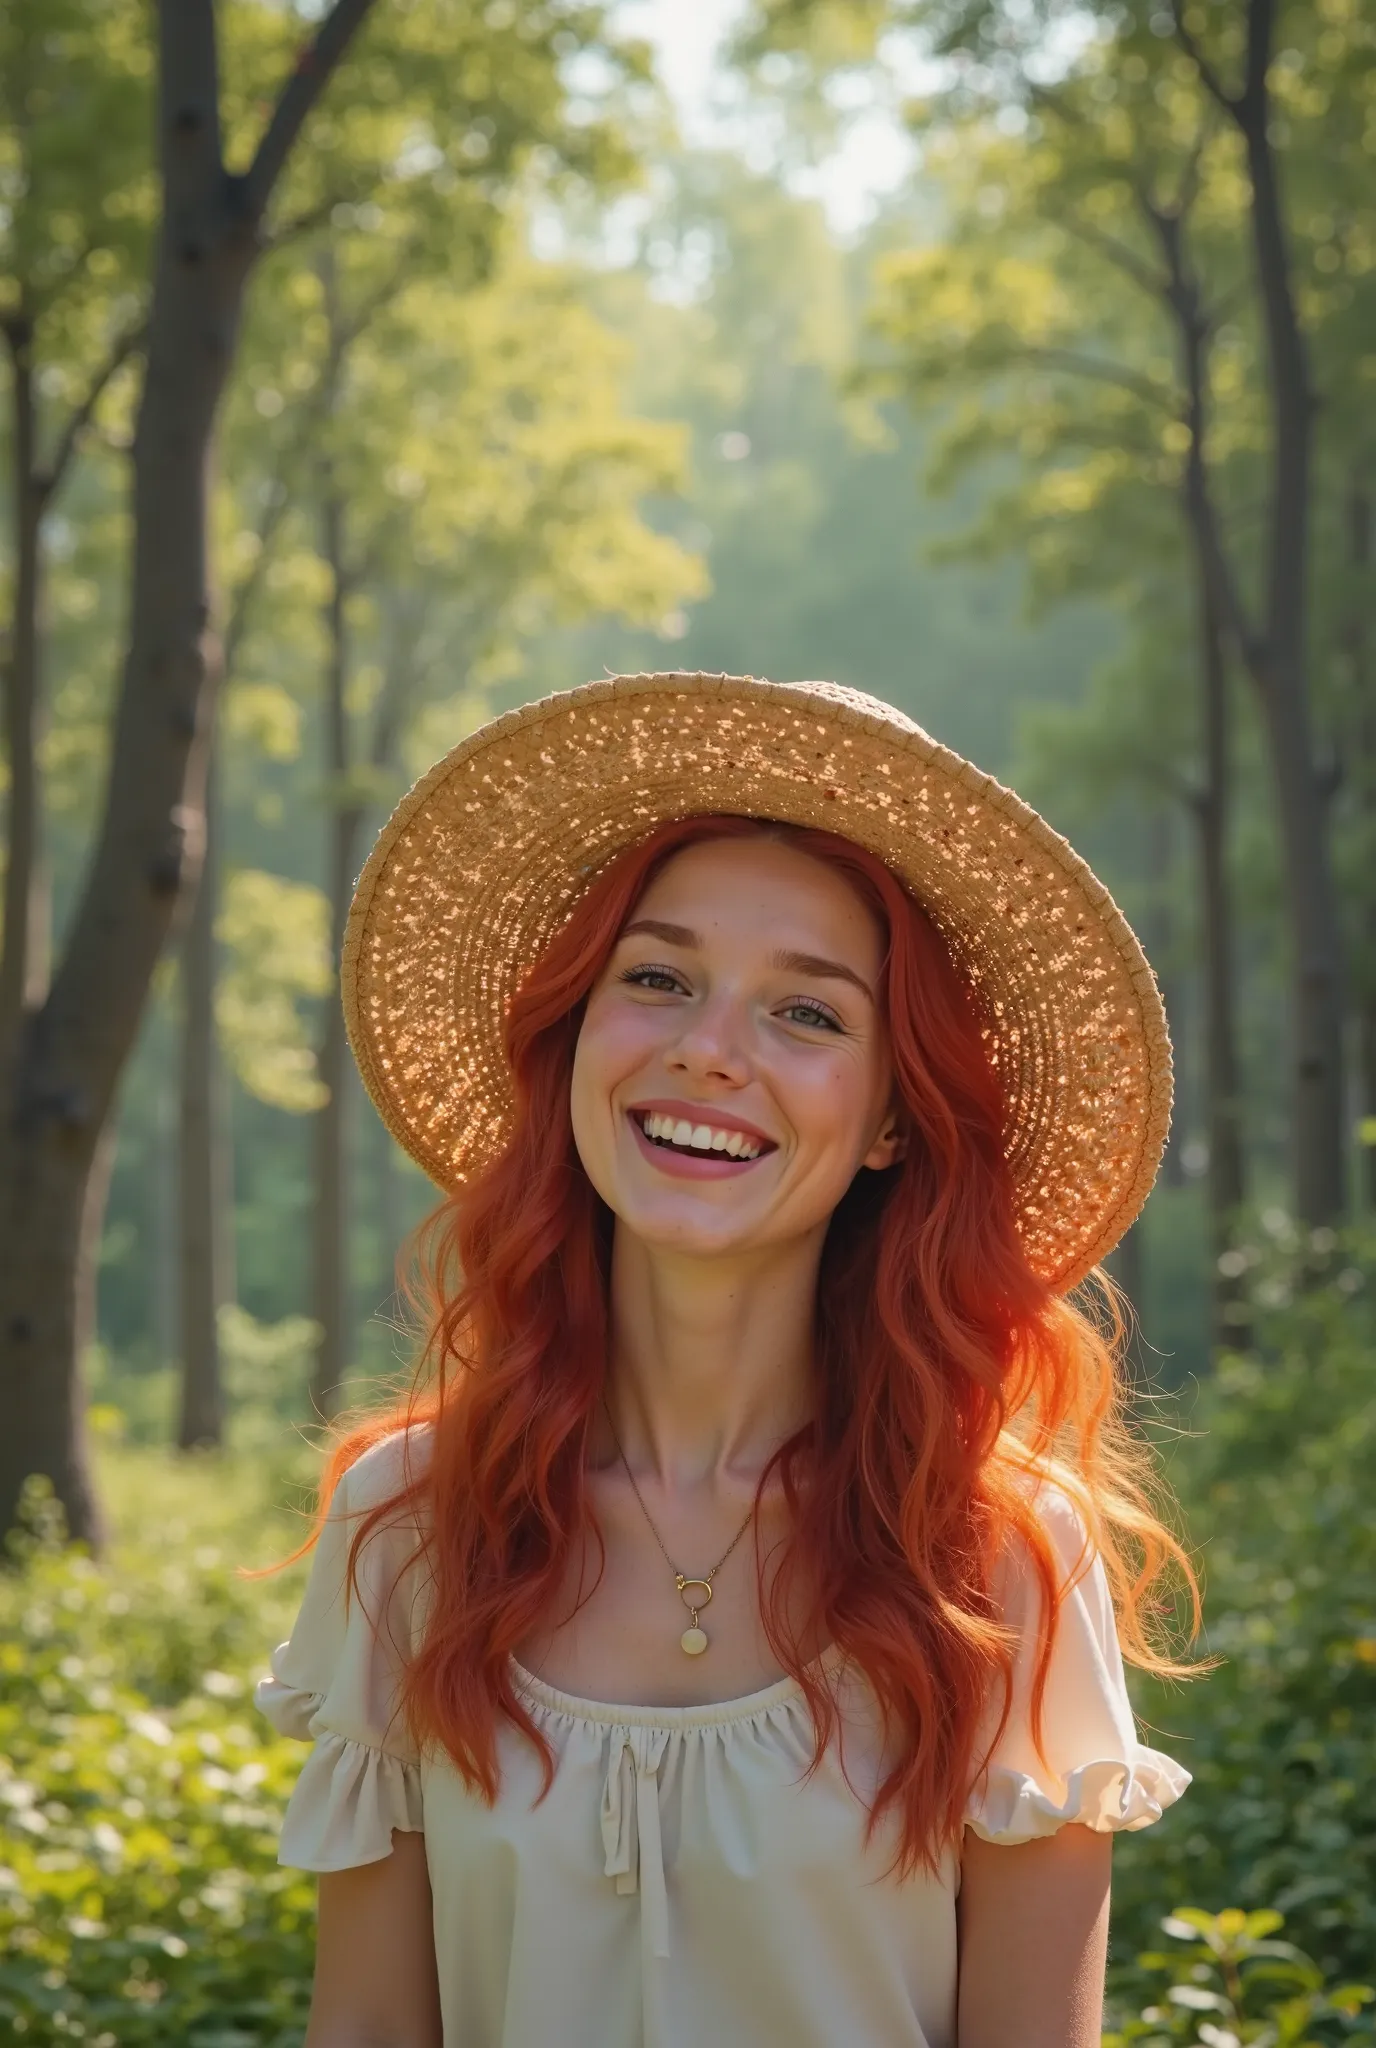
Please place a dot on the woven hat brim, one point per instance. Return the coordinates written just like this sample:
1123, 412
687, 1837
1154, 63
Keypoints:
482, 862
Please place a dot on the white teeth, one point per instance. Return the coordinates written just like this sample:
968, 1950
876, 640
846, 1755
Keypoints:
668, 1130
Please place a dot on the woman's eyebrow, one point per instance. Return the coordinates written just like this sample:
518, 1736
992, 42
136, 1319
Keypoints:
671, 934
813, 964
827, 970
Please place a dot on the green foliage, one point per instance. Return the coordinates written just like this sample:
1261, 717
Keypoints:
1230, 1982
140, 1793
276, 940
1275, 1478
75, 223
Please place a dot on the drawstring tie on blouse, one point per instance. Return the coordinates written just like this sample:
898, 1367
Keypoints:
630, 1827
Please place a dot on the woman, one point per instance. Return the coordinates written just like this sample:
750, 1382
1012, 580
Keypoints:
783, 1074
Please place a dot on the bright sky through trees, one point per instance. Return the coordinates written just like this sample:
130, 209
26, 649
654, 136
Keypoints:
874, 154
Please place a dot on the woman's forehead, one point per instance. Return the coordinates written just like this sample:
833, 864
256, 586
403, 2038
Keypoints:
764, 885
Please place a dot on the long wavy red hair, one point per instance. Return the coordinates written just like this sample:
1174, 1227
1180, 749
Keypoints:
948, 1376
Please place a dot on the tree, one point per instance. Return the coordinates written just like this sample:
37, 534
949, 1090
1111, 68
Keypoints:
73, 256
53, 1153
1025, 321
464, 130
1260, 588
475, 481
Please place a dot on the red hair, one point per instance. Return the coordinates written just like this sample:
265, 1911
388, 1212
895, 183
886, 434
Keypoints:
949, 1377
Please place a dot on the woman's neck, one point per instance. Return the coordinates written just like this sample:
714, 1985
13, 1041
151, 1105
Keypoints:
711, 1359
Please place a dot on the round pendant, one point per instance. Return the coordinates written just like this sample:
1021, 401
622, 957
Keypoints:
693, 1641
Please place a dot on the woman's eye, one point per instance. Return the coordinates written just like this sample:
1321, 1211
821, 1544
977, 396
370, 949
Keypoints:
816, 1014
661, 979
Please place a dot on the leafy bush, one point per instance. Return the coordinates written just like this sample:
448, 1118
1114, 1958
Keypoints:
141, 1903
1232, 1983
1275, 1479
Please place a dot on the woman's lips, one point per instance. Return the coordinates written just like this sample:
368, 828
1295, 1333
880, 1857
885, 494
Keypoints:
684, 1165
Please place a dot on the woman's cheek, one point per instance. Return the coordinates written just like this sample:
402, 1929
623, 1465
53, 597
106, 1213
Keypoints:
622, 1039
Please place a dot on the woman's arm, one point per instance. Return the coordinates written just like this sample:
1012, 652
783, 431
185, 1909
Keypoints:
375, 1979
1034, 1941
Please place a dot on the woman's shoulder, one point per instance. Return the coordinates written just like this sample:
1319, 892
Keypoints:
1063, 1520
386, 1471
381, 1501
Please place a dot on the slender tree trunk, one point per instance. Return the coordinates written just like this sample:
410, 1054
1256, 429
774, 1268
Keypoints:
1224, 1101
204, 1208
148, 843
1227, 1181
24, 952
1361, 683
163, 1195
147, 846
206, 1152
330, 1293
1280, 668
1276, 657
1315, 953
1159, 934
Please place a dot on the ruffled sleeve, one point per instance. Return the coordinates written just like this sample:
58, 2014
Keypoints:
335, 1683
1095, 1771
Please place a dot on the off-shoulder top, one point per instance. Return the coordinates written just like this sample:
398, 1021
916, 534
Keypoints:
684, 1880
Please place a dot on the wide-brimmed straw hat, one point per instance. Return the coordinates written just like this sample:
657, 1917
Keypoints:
482, 862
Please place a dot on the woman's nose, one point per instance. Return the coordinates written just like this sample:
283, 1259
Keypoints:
713, 1042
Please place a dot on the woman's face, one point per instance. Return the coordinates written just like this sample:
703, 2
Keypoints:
732, 1073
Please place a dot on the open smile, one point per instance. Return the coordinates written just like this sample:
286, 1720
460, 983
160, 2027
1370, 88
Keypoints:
691, 1145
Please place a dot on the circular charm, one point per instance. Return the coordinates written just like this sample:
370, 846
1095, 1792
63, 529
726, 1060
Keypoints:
693, 1641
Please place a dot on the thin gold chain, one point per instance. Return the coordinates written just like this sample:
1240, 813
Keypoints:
687, 1580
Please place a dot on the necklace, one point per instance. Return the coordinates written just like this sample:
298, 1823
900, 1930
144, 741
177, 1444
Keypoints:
695, 1593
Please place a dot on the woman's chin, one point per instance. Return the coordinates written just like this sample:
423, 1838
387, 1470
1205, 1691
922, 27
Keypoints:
688, 1226
691, 1229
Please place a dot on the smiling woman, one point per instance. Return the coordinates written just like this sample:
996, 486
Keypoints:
770, 1157
737, 1006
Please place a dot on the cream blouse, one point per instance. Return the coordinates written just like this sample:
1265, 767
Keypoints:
683, 1881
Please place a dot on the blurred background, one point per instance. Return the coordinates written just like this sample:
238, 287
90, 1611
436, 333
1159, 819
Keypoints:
369, 368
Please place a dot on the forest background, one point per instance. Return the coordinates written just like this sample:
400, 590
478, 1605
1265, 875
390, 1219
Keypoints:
370, 368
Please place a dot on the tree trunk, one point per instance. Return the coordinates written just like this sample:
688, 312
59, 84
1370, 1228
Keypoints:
1227, 1177
24, 951
1361, 684
330, 1304
148, 844
1276, 657
147, 847
162, 1197
1315, 952
205, 1206
1159, 935
1281, 673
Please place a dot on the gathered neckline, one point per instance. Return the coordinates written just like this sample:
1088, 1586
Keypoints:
709, 1714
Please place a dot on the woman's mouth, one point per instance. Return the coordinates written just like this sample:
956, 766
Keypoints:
681, 1144
684, 1136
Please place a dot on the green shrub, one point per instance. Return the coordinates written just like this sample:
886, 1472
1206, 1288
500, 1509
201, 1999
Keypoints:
141, 1794
1231, 1984
1276, 1484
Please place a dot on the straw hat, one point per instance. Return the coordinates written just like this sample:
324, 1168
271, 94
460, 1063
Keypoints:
481, 863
